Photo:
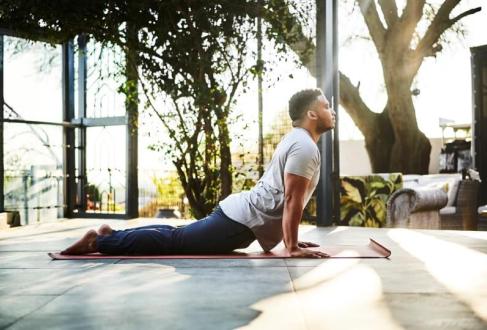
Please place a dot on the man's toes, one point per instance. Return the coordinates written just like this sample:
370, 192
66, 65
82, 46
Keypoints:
91, 233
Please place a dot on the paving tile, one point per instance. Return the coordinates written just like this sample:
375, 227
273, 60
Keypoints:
35, 246
432, 311
208, 263
160, 296
40, 260
121, 279
414, 277
13, 307
417, 288
132, 316
42, 281
344, 295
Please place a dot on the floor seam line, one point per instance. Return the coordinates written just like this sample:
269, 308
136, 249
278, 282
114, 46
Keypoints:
35, 310
295, 292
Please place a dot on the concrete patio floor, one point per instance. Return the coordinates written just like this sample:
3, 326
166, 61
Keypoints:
433, 280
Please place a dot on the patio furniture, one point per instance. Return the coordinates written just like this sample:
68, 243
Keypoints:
416, 208
482, 225
435, 207
463, 214
9, 219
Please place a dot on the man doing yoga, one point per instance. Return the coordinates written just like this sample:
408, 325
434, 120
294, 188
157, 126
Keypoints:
269, 212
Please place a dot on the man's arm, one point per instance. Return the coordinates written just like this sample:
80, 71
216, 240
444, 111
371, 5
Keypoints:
295, 190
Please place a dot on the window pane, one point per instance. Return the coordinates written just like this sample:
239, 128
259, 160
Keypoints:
105, 164
32, 80
102, 97
33, 175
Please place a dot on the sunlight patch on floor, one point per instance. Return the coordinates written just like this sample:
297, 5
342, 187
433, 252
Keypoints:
472, 234
461, 270
338, 294
338, 230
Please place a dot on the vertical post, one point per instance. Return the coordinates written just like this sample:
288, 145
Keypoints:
82, 72
2, 172
260, 95
479, 117
335, 104
25, 185
68, 132
327, 80
131, 105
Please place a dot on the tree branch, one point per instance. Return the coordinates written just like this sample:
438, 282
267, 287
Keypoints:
465, 13
277, 14
374, 25
438, 26
409, 19
389, 9
353, 103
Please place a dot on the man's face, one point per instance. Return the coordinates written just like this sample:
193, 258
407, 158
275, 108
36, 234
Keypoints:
325, 114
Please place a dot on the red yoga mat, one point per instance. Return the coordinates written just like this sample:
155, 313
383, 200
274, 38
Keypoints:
372, 250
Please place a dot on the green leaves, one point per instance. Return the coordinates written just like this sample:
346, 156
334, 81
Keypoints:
363, 199
192, 59
352, 191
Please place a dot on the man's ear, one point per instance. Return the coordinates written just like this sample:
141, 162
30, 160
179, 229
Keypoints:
311, 115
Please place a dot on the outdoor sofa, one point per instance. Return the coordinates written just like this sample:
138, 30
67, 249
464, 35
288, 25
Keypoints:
444, 201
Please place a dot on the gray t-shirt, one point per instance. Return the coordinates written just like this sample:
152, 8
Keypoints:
262, 207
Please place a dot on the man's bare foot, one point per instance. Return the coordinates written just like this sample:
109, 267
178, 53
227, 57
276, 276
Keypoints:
105, 230
87, 244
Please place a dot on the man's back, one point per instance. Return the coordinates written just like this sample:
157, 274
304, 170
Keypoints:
261, 208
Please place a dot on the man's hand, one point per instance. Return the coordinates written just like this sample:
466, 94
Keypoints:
307, 244
298, 252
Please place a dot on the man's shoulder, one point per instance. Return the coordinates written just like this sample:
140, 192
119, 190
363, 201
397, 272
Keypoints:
299, 136
300, 140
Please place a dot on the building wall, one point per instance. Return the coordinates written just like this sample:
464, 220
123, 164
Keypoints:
355, 161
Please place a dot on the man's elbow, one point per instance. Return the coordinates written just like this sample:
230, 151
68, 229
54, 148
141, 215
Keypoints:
293, 202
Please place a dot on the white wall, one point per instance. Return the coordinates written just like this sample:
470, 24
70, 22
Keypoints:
355, 161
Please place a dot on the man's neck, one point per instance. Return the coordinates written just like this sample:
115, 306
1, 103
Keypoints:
315, 136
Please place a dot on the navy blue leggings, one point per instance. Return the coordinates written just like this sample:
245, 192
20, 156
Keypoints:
216, 233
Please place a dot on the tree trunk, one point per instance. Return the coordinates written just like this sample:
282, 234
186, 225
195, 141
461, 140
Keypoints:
376, 127
410, 153
393, 140
379, 140
225, 159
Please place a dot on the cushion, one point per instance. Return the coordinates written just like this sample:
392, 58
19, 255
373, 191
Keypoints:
430, 199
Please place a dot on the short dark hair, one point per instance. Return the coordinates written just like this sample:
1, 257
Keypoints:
300, 102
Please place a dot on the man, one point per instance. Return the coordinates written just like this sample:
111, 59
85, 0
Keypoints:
269, 212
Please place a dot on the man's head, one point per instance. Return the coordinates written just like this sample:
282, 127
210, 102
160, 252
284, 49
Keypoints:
309, 108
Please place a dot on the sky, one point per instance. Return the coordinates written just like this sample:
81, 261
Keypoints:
444, 83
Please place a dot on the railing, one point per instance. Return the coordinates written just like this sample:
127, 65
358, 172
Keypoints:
161, 194
35, 193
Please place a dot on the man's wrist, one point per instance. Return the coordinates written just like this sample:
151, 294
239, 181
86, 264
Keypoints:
292, 248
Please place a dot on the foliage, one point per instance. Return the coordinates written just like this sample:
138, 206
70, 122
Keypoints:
363, 199
93, 193
193, 58
199, 67
281, 125
168, 189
